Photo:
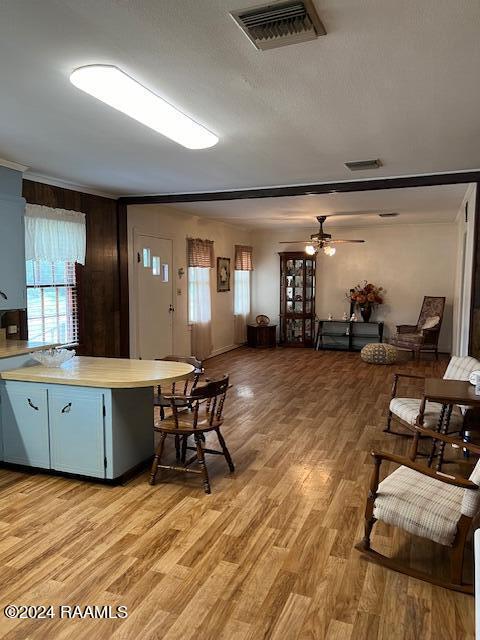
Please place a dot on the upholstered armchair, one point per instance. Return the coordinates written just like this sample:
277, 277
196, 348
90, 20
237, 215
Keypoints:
425, 503
405, 410
424, 335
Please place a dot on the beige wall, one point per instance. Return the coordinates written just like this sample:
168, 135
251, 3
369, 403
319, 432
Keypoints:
174, 224
409, 261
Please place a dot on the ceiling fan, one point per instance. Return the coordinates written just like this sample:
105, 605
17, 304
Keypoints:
320, 240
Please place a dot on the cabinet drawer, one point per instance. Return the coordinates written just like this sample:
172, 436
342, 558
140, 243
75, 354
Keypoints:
77, 431
25, 424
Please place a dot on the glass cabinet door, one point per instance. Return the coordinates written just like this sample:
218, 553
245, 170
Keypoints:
297, 299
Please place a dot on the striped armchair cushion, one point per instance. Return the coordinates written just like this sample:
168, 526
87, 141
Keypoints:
407, 409
460, 368
420, 505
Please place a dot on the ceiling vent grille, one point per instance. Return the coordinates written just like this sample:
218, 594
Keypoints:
387, 215
277, 25
363, 165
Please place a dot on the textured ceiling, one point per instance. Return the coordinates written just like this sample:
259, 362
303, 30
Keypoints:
394, 80
418, 205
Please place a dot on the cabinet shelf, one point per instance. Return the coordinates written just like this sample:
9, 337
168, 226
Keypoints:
354, 340
297, 316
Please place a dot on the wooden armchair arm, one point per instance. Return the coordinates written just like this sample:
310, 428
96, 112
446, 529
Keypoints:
406, 328
396, 377
473, 448
456, 481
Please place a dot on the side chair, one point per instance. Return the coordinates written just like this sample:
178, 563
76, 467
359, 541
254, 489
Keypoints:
197, 413
424, 335
425, 503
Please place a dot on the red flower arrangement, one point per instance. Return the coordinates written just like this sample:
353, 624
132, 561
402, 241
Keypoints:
366, 296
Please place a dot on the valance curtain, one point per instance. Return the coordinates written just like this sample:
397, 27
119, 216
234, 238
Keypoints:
54, 235
201, 259
243, 266
200, 253
243, 258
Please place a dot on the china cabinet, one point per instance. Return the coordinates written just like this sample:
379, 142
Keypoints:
297, 299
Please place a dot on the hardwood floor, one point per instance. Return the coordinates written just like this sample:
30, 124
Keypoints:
269, 554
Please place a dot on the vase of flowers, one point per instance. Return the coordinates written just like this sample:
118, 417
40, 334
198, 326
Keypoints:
367, 296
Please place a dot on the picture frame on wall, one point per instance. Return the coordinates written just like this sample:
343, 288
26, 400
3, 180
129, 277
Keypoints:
223, 274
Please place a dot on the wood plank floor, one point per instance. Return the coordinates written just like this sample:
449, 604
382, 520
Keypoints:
268, 555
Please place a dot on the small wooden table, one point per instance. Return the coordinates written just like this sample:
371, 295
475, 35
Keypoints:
447, 393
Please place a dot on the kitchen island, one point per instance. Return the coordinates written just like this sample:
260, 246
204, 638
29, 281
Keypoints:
91, 416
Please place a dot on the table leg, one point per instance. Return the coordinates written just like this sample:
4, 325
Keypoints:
433, 450
446, 424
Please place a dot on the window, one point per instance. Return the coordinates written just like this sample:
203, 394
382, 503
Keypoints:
52, 301
241, 302
199, 307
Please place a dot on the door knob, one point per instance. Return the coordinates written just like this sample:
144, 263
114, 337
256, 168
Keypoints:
171, 308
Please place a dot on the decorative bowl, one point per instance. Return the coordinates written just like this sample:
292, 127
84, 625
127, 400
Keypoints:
262, 320
473, 376
53, 357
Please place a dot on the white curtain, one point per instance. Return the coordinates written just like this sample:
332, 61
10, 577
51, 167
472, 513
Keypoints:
241, 305
200, 311
54, 235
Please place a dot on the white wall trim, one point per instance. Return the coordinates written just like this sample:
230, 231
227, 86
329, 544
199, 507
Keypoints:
218, 352
64, 184
13, 165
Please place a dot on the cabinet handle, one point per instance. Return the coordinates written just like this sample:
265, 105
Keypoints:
4, 295
32, 405
66, 408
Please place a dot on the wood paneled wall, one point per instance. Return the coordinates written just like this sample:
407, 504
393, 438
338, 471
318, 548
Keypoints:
103, 294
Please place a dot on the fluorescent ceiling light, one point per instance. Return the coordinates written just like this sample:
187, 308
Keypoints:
110, 85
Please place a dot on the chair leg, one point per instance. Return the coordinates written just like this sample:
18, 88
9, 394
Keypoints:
225, 450
157, 458
389, 422
184, 448
177, 447
201, 462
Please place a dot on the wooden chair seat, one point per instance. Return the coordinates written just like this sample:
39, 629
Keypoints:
185, 424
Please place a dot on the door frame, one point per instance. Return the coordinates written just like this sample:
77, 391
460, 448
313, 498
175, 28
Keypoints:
134, 306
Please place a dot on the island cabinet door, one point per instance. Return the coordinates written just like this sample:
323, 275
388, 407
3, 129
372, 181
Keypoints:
77, 431
25, 424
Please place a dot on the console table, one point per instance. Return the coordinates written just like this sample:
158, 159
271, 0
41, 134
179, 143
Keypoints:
345, 335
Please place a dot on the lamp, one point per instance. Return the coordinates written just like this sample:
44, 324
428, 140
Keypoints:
329, 251
310, 250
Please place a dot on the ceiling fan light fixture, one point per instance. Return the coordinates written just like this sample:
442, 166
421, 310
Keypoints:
329, 251
310, 250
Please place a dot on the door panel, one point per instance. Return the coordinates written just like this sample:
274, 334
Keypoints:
25, 425
154, 302
76, 431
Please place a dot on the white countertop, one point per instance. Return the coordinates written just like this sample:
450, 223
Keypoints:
106, 373
12, 348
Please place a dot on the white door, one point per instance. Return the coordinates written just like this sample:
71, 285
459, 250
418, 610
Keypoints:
154, 300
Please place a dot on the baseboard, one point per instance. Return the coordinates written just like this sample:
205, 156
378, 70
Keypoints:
221, 350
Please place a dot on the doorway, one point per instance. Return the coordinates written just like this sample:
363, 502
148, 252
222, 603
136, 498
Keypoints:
154, 284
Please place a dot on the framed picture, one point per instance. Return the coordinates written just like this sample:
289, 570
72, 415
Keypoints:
223, 274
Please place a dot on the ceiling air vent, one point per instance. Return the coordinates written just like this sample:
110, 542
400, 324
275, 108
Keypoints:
363, 165
387, 215
276, 25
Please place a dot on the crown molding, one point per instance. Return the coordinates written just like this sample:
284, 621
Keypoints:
13, 165
64, 184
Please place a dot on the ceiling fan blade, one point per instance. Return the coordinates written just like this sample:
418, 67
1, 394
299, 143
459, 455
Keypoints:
294, 241
343, 241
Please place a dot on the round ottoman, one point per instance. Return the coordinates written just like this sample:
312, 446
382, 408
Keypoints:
379, 353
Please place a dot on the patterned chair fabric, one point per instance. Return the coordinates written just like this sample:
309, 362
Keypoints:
407, 409
379, 353
416, 337
424, 506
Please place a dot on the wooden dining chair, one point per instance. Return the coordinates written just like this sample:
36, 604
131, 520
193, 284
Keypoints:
196, 413
426, 503
184, 387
